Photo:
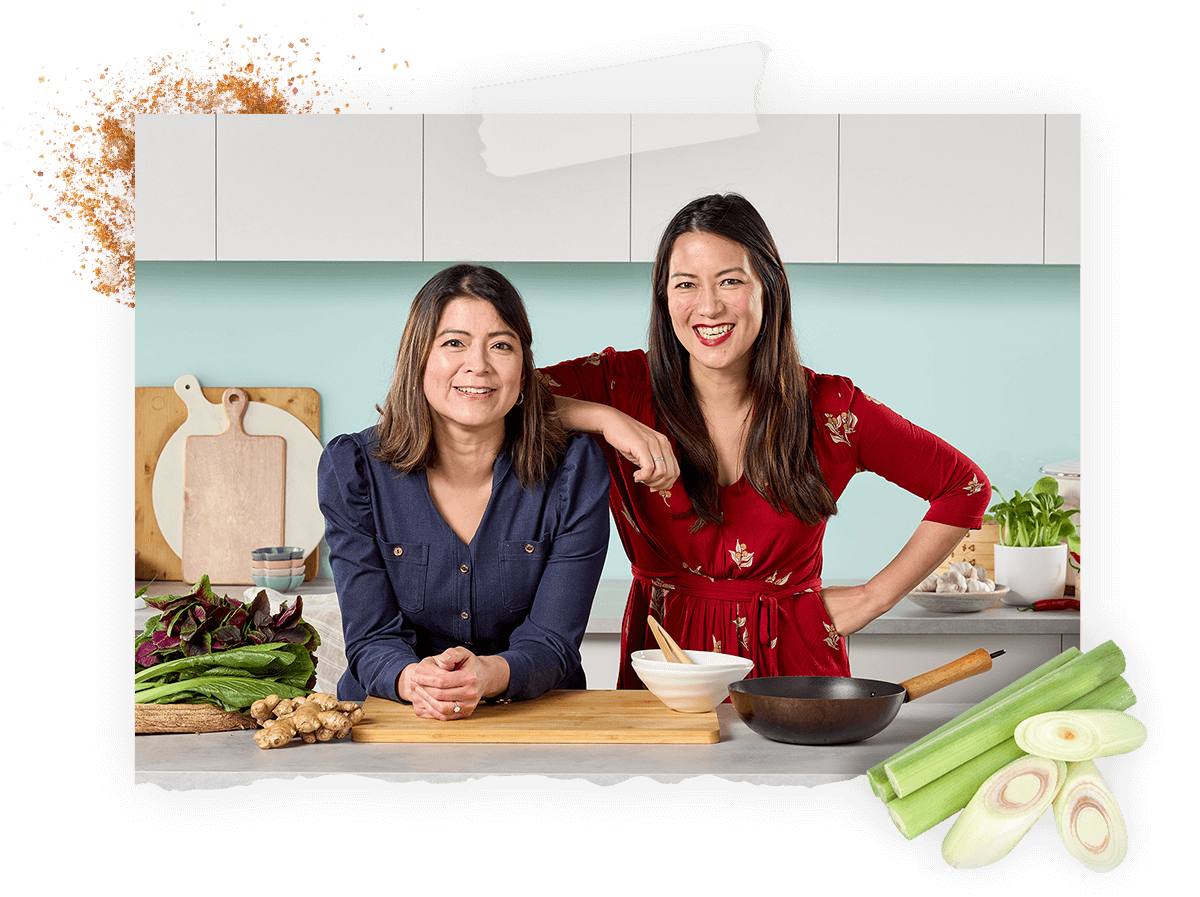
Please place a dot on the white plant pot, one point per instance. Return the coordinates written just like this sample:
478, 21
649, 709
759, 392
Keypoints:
1031, 574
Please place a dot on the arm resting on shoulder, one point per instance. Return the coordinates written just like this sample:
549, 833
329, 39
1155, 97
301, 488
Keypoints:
649, 449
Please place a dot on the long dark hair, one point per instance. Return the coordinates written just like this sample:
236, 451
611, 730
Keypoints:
780, 461
533, 435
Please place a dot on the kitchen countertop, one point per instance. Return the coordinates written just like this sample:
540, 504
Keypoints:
225, 759
904, 618
220, 760
907, 618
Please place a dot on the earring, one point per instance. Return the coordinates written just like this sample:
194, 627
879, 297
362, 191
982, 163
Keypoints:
521, 397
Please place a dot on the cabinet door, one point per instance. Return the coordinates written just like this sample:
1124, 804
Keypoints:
964, 189
788, 169
1062, 190
176, 188
319, 187
578, 213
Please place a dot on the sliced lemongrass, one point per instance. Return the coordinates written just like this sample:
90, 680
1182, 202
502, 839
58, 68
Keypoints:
1088, 818
958, 743
877, 776
926, 807
1080, 734
1003, 809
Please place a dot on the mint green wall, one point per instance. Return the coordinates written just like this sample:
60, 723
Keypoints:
988, 357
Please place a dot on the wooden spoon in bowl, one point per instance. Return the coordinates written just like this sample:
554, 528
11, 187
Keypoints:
671, 651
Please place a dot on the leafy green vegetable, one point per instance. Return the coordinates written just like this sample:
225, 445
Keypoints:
201, 623
231, 680
1036, 518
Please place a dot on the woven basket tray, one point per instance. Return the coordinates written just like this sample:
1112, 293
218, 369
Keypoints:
187, 718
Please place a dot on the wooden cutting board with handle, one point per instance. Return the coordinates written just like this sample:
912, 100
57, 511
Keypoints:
233, 497
163, 417
565, 716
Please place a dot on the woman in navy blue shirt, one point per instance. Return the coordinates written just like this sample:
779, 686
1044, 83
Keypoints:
467, 529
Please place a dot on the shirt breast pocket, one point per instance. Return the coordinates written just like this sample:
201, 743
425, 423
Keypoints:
522, 563
407, 565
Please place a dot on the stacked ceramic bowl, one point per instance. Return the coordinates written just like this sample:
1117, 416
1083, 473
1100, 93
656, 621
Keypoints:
695, 687
280, 568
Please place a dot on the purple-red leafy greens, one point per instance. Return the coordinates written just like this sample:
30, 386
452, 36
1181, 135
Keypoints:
201, 622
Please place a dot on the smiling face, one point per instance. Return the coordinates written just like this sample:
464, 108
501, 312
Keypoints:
474, 371
715, 301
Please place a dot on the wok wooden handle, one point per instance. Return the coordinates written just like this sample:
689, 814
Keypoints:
979, 661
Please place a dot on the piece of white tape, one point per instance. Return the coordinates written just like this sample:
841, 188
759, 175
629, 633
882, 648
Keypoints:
545, 123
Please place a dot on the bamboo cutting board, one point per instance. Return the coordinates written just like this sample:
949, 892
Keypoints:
557, 717
233, 498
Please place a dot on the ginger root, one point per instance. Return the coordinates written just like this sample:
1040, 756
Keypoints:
317, 717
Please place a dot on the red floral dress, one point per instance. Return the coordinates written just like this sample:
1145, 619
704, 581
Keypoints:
751, 586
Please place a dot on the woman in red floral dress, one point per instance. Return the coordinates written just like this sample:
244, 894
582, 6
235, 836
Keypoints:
727, 457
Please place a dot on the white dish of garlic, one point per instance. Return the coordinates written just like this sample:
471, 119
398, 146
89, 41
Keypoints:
963, 589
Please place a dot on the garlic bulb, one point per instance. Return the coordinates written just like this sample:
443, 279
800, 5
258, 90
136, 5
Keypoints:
974, 585
928, 584
952, 581
963, 567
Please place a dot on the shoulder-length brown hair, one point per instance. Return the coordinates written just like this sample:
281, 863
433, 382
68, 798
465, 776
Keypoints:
780, 461
533, 435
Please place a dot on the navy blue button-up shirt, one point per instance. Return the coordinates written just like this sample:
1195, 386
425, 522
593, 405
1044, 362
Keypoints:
409, 587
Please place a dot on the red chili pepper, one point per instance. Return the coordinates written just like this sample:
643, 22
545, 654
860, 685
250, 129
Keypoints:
1053, 604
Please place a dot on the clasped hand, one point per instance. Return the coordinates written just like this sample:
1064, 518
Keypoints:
445, 686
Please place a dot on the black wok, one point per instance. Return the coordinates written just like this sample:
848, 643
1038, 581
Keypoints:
835, 709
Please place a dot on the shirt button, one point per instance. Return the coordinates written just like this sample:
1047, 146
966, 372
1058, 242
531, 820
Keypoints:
529, 548
464, 615
397, 551
464, 568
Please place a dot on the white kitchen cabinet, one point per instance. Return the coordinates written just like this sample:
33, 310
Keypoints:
176, 188
1062, 190
942, 189
788, 170
319, 187
577, 213
901, 189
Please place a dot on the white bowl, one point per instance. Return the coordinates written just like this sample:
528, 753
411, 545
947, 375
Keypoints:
695, 687
653, 659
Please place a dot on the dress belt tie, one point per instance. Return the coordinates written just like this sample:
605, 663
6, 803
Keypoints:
766, 595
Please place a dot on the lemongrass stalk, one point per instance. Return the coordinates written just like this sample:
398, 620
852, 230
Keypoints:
877, 776
926, 807
1088, 818
1080, 734
1003, 809
968, 738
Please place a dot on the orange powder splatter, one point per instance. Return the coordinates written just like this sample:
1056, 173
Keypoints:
87, 164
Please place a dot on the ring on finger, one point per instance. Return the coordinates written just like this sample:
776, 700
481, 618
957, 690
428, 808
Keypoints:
658, 459
457, 709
